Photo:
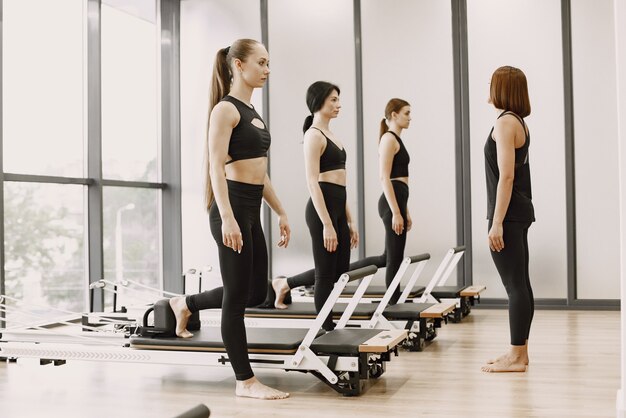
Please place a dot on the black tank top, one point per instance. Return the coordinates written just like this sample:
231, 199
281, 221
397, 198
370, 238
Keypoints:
521, 206
247, 140
400, 164
333, 158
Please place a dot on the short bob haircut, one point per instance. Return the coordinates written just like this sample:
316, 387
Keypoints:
509, 91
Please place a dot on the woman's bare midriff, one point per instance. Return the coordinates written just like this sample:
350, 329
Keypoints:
251, 171
334, 176
404, 180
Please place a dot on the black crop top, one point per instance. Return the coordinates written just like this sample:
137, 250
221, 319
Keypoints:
247, 140
333, 158
520, 206
400, 164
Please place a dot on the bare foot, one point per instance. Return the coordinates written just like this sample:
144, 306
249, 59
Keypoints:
505, 364
182, 314
281, 288
252, 388
505, 356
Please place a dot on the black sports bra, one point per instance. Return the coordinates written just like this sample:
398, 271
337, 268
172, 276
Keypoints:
333, 158
247, 140
400, 164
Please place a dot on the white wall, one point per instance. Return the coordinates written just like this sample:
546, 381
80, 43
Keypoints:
308, 41
206, 26
596, 153
525, 34
407, 53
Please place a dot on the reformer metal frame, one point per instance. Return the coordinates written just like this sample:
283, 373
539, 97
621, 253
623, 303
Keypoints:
444, 271
376, 321
341, 372
420, 330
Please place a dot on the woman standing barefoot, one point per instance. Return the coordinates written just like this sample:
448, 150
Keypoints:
510, 209
238, 143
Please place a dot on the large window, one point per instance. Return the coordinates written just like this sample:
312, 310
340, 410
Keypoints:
50, 154
129, 91
44, 244
42, 87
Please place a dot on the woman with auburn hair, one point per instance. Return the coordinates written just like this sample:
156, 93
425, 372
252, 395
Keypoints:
510, 209
237, 182
392, 205
393, 169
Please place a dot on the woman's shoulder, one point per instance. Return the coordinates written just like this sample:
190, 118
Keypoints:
389, 139
225, 112
315, 135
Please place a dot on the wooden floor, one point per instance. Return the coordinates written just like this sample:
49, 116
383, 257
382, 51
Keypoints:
574, 372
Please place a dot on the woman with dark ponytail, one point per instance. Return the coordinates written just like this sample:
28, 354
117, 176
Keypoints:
393, 169
237, 181
327, 215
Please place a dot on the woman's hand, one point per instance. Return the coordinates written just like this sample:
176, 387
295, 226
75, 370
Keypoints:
330, 238
354, 236
285, 231
409, 221
231, 234
496, 237
397, 223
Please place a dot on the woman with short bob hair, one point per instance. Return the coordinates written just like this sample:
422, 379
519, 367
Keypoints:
510, 208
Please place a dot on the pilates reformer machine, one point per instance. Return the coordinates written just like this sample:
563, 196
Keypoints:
343, 358
141, 297
464, 297
421, 320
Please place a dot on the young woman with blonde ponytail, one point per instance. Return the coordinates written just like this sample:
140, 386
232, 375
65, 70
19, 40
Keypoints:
237, 182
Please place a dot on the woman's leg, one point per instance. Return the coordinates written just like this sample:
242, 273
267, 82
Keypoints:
511, 264
394, 243
325, 262
237, 272
343, 248
528, 285
184, 306
281, 286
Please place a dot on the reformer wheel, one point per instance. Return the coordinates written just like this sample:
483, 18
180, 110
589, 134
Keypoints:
414, 344
431, 334
457, 315
376, 370
467, 309
349, 386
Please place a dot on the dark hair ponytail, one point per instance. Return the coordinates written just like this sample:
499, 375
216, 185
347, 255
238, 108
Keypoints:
220, 87
316, 95
394, 105
308, 121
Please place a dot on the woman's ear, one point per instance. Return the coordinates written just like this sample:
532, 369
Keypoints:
237, 63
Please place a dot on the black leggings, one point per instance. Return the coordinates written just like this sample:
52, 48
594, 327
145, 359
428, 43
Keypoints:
244, 274
512, 265
307, 278
329, 265
394, 243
